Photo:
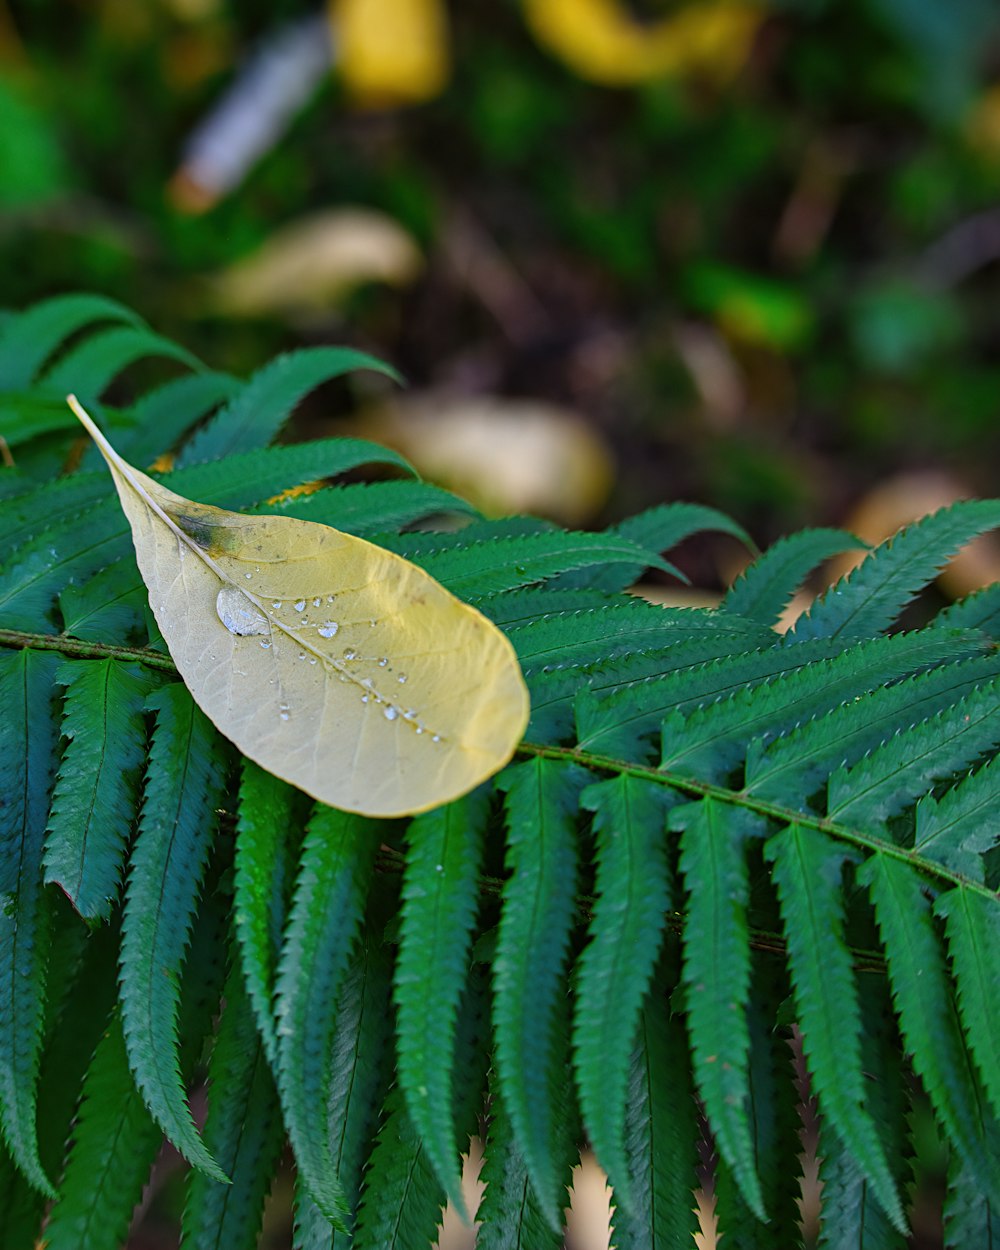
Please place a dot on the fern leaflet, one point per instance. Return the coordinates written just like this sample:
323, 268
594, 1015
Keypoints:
764, 588
955, 830
633, 895
28, 340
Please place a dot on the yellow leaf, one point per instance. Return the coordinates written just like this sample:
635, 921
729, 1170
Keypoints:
391, 51
311, 264
601, 41
336, 665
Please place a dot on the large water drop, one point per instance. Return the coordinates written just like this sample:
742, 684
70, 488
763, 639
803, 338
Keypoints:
328, 630
238, 612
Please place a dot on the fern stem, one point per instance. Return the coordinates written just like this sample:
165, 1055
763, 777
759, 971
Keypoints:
18, 639
763, 807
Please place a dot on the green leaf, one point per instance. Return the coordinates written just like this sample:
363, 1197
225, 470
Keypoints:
807, 869
633, 895
970, 1217
114, 1144
717, 976
510, 1214
795, 766
764, 589
360, 1068
320, 936
711, 741
243, 1130
851, 1212
107, 607
872, 596
402, 1197
164, 414
618, 723
972, 924
27, 757
368, 508
439, 903
980, 610
97, 789
928, 1016
894, 775
529, 968
661, 1133
184, 787
38, 512
775, 1123
254, 416
956, 829
660, 528
262, 871
503, 564
88, 369
28, 340
619, 628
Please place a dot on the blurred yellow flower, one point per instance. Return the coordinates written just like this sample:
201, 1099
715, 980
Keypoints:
982, 124
602, 42
391, 51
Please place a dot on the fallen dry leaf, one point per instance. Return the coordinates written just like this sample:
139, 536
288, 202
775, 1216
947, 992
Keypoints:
312, 263
336, 665
506, 456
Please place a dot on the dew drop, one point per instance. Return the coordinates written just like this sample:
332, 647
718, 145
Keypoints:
238, 612
276, 604
248, 576
350, 654
330, 598
366, 682
284, 715
302, 655
364, 698
328, 629
391, 713
383, 662
420, 729
265, 645
409, 714
372, 623
303, 620
312, 660
300, 606
283, 711
401, 679
317, 601
436, 738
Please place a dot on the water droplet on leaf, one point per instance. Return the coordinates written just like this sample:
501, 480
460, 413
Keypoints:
328, 630
300, 606
238, 612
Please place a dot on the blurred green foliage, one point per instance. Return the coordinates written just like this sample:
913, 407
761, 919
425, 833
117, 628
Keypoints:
828, 222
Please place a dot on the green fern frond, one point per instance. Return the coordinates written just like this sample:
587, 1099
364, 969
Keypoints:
793, 767
497, 565
89, 368
184, 788
262, 875
895, 774
972, 925
439, 904
320, 935
115, 1141
254, 416
971, 1218
661, 1131
31, 337
633, 894
164, 415
529, 968
369, 509
918, 976
97, 788
711, 741
624, 722
957, 829
27, 764
807, 871
870, 598
717, 977
980, 610
764, 588
243, 1131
